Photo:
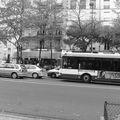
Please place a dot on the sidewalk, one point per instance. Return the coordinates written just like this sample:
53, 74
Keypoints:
7, 116
14, 117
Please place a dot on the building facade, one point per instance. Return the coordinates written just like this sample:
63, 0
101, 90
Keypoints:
3, 51
103, 11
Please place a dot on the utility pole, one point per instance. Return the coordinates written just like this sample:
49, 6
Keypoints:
92, 7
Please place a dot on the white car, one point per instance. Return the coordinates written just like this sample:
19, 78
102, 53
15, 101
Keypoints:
12, 70
54, 73
35, 72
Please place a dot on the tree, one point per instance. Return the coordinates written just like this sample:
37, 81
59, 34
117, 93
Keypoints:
116, 35
116, 27
106, 37
46, 19
69, 41
83, 31
13, 21
112, 33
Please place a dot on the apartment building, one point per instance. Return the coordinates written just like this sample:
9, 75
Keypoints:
3, 52
103, 10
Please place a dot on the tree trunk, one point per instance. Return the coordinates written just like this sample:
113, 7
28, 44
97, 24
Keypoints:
51, 51
17, 59
40, 49
84, 49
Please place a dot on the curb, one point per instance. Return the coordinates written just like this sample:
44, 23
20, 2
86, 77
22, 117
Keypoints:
15, 117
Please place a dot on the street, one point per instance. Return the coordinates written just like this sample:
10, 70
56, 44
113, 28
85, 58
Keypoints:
56, 98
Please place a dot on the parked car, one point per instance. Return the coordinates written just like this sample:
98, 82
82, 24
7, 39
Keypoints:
35, 71
54, 73
12, 70
48, 67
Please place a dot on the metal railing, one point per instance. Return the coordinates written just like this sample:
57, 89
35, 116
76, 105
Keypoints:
111, 111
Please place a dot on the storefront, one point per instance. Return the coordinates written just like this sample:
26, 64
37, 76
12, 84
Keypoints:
32, 57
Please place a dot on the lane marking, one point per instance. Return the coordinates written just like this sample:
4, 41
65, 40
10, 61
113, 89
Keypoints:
105, 87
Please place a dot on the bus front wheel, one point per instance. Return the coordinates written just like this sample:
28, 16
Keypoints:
86, 78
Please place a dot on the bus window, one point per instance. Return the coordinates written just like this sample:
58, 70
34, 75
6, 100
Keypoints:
70, 63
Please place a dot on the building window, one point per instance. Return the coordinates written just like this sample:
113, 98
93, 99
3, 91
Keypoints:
83, 4
92, 12
58, 32
106, 6
107, 12
73, 4
107, 18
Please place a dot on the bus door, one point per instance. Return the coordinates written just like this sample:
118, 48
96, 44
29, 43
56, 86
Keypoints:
81, 70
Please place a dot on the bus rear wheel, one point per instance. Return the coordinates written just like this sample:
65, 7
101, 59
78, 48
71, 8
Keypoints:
86, 78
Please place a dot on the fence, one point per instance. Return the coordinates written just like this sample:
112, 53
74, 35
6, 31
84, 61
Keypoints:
111, 111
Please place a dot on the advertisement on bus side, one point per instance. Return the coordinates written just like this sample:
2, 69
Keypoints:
109, 75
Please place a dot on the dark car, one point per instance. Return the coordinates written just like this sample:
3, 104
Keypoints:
54, 73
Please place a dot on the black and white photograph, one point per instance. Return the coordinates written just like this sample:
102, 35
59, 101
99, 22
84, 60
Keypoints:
59, 59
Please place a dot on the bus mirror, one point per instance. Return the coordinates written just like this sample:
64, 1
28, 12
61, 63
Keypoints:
79, 66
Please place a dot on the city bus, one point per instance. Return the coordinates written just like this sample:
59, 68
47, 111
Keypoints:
90, 66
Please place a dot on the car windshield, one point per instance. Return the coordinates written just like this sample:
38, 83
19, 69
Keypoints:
32, 67
23, 66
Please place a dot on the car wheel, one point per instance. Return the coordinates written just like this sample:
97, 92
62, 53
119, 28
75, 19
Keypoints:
53, 75
14, 75
35, 75
86, 78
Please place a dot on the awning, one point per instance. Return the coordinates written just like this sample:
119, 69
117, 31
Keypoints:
44, 54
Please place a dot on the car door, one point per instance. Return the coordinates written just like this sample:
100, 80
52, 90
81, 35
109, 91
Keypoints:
2, 70
9, 68
31, 70
28, 74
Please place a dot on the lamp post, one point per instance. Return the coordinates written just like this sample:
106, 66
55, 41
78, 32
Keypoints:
92, 7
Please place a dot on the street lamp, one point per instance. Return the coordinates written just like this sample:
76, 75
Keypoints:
92, 7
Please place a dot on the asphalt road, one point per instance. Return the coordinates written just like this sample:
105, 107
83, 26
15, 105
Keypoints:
56, 98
